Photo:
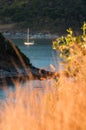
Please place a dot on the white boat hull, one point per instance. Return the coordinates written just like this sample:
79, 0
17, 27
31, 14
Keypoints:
28, 43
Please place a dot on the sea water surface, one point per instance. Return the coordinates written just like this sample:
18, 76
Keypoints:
41, 54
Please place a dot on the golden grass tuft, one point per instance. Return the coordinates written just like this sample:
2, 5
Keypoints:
53, 106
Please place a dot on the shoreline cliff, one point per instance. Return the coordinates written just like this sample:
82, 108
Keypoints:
14, 65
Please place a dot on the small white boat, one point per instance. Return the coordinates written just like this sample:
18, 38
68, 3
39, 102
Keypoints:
28, 42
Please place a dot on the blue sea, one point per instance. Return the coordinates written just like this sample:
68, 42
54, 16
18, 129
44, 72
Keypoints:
41, 54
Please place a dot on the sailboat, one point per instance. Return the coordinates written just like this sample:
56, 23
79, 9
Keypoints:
28, 42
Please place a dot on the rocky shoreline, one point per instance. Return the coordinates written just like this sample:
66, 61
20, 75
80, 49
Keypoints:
25, 74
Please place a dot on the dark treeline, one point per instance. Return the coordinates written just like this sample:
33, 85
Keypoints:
46, 15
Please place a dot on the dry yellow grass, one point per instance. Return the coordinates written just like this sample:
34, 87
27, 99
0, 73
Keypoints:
58, 106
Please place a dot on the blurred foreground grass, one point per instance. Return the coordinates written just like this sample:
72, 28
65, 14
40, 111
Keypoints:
58, 106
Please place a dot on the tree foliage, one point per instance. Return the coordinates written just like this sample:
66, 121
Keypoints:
71, 48
46, 13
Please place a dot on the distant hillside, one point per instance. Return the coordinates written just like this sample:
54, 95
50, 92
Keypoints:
47, 15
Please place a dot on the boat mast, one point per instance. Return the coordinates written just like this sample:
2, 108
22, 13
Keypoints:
28, 35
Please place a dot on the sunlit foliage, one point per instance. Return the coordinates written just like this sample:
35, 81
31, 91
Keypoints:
71, 48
